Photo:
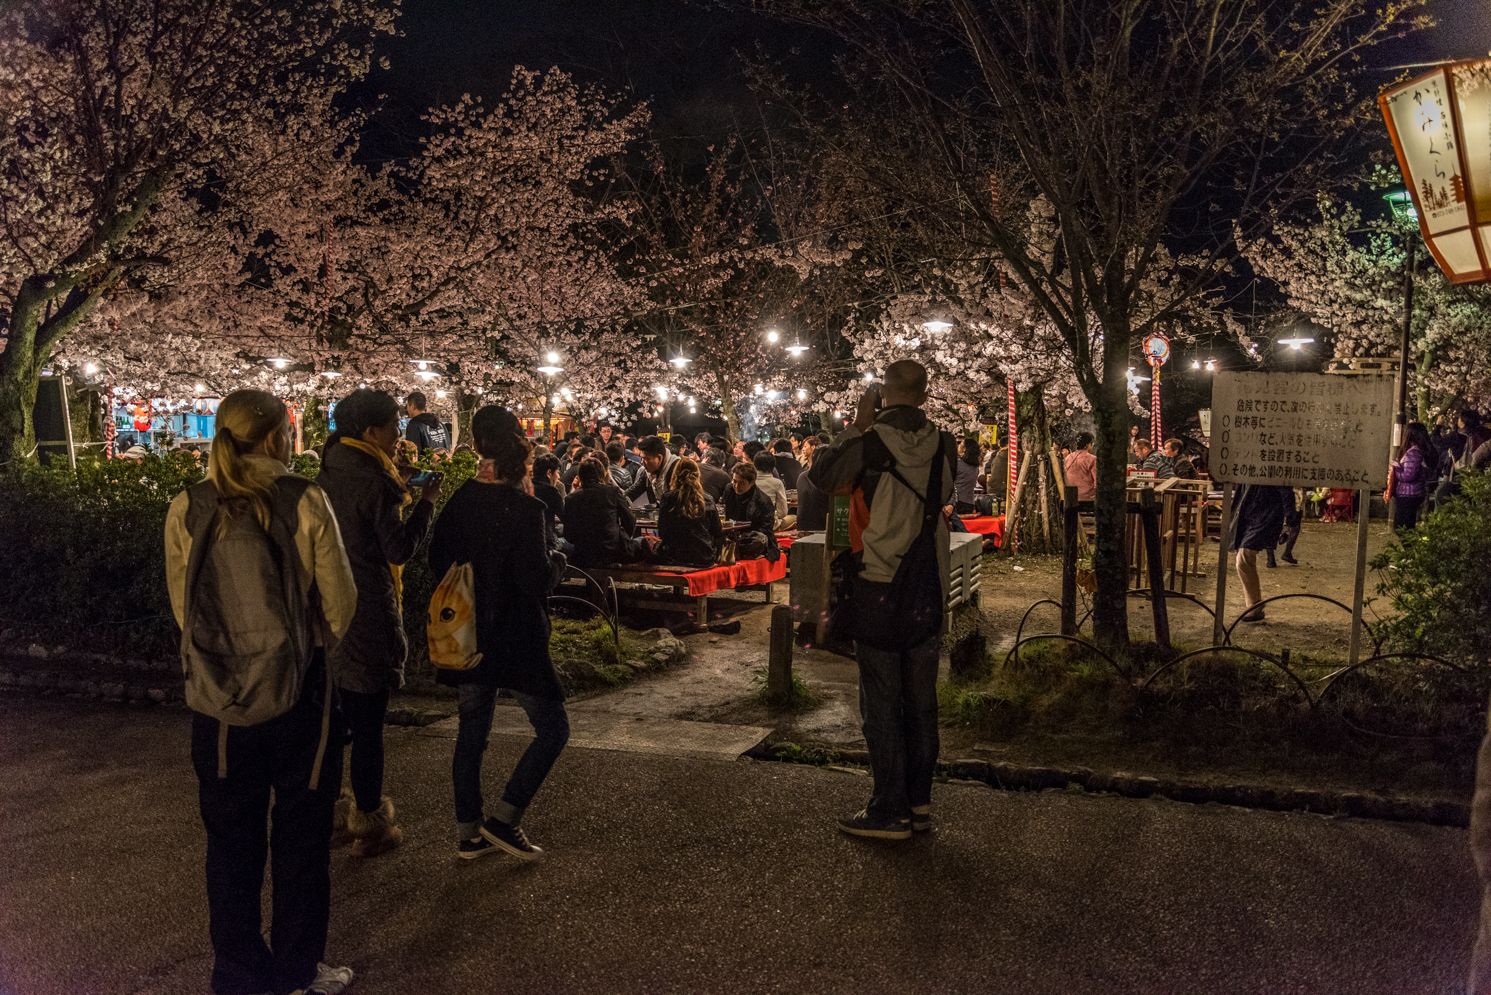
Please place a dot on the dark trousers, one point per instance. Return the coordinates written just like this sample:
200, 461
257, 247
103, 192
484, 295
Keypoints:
242, 832
551, 732
365, 714
898, 702
1406, 512
752, 545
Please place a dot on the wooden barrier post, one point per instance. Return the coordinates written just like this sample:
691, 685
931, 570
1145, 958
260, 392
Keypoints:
1219, 625
1364, 508
1069, 566
1012, 513
1158, 599
779, 664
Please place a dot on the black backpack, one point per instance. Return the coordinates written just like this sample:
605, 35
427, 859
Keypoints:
908, 610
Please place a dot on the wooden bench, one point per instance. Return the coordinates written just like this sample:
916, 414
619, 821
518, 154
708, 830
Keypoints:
695, 583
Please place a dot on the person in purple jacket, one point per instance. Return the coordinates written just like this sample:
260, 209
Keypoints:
1413, 474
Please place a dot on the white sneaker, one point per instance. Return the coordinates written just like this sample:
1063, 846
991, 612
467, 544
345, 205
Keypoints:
329, 981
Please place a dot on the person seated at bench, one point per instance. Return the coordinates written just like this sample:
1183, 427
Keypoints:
688, 523
774, 489
598, 521
744, 502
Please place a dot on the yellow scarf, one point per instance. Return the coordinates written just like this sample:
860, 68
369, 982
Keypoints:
396, 569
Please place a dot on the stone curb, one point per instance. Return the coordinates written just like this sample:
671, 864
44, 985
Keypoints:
1013, 777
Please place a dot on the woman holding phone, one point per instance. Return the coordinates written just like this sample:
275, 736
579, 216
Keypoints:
368, 493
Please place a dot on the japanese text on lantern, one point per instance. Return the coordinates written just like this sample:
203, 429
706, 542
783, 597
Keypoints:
1301, 429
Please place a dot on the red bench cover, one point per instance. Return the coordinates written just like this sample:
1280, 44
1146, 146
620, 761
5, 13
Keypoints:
742, 574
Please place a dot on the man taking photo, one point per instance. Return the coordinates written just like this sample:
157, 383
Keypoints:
886, 461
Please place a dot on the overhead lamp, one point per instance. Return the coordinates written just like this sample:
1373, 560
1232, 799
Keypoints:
199, 388
1211, 366
661, 391
802, 394
680, 361
798, 349
772, 335
440, 394
427, 375
564, 391
552, 357
759, 388
91, 369
1195, 364
423, 364
328, 374
278, 362
937, 325
869, 378
550, 370
1298, 342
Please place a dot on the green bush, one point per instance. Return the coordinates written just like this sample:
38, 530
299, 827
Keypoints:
85, 551
1438, 580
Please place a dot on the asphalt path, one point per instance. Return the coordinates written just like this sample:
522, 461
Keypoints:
696, 876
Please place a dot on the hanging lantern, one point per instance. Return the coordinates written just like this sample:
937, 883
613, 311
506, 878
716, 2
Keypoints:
1156, 350
1440, 124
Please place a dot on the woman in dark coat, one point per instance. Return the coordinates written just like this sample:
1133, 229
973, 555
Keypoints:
494, 523
1258, 519
368, 494
688, 524
598, 521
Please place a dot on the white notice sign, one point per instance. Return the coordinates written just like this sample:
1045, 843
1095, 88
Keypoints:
1301, 429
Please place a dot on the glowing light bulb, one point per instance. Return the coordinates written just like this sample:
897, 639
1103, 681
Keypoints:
771, 335
552, 357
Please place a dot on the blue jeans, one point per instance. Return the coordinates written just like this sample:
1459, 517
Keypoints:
898, 702
551, 728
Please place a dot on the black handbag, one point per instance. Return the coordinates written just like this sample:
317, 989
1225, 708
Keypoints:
908, 610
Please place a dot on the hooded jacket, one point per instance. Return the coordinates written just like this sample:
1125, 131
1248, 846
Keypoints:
884, 515
427, 432
368, 506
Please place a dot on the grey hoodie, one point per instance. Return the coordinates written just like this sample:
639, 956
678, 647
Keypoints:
895, 512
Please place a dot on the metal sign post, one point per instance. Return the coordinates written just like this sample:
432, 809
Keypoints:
1302, 430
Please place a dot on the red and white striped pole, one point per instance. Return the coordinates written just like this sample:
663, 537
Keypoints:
1009, 486
1156, 436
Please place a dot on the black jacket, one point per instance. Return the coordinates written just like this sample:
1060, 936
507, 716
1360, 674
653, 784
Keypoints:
788, 469
427, 432
366, 501
688, 542
499, 530
597, 520
553, 508
622, 475
761, 511
715, 482
812, 505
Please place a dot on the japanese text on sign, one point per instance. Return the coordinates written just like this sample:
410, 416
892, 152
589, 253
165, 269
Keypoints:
1301, 429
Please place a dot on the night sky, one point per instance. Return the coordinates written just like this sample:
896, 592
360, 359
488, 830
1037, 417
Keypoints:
683, 57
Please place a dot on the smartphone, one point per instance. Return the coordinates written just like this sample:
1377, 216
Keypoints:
422, 477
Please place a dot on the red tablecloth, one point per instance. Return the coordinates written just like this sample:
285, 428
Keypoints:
986, 525
742, 574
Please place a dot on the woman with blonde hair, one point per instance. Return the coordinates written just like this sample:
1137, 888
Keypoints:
243, 549
688, 524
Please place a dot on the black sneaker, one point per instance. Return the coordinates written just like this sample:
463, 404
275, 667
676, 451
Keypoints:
475, 847
509, 838
861, 823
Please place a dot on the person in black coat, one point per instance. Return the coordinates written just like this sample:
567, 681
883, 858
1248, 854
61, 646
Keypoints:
367, 493
744, 502
598, 521
788, 468
546, 489
812, 503
688, 523
1258, 518
712, 475
493, 523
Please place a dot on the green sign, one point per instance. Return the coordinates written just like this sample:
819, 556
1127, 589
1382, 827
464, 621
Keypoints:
839, 532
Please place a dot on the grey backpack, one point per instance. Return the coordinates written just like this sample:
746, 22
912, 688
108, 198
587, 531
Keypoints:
246, 642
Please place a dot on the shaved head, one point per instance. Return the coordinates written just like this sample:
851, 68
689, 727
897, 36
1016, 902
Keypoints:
905, 383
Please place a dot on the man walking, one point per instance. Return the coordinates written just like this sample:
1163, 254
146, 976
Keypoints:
886, 461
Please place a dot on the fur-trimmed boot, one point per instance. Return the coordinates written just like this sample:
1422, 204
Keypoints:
376, 831
340, 813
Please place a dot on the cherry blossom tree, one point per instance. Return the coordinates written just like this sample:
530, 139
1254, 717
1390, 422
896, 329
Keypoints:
132, 135
1345, 272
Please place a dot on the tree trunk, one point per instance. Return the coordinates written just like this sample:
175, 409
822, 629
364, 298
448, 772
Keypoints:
548, 421
1110, 618
20, 372
1421, 384
1035, 519
314, 424
466, 405
727, 406
85, 411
